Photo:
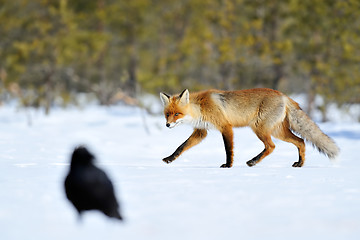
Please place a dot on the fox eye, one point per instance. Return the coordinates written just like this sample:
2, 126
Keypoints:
167, 115
176, 114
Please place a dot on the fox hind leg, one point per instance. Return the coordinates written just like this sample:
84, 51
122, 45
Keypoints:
286, 135
269, 115
269, 148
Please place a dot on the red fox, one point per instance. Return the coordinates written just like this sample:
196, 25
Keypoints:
267, 112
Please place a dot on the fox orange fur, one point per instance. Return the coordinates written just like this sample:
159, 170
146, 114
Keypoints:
267, 112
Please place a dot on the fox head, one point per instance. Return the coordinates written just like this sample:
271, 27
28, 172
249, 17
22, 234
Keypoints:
176, 108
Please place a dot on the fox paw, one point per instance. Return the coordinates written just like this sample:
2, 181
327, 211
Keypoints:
225, 166
169, 159
297, 164
251, 163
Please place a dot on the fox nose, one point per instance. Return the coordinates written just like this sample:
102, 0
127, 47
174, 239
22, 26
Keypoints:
168, 124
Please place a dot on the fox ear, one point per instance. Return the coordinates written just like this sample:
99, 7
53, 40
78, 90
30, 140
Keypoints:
165, 99
184, 97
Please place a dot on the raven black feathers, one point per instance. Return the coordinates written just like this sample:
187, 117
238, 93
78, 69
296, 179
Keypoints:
88, 187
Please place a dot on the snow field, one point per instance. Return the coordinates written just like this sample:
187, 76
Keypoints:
191, 198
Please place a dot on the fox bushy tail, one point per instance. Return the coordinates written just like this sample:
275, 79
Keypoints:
301, 123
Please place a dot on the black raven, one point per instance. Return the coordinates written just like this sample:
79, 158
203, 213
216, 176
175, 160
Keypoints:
88, 187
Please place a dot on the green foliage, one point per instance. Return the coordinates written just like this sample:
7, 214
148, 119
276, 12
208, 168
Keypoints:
52, 50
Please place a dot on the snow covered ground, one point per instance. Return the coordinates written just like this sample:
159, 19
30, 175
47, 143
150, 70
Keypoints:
191, 198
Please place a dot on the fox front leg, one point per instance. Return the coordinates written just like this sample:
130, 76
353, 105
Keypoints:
196, 137
176, 154
227, 134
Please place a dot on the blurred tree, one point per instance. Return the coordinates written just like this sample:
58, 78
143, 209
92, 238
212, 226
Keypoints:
41, 46
50, 50
326, 36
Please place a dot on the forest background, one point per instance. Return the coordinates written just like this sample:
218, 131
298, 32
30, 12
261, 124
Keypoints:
53, 50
